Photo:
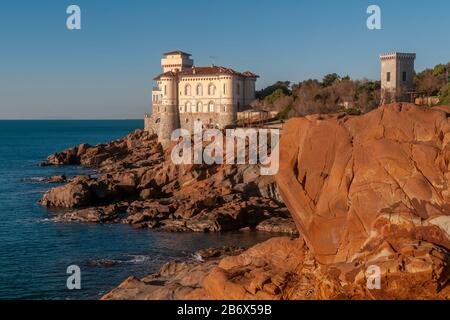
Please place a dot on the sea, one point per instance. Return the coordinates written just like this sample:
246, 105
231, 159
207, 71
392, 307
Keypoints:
36, 250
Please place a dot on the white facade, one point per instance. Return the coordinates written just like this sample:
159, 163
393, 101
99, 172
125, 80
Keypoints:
186, 93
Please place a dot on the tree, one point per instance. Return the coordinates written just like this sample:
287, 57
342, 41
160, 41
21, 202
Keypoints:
444, 97
428, 83
284, 86
329, 79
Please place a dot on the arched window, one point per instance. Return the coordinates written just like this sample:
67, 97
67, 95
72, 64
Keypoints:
199, 107
187, 107
187, 90
211, 106
211, 89
199, 90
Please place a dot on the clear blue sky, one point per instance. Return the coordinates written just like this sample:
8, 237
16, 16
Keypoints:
105, 70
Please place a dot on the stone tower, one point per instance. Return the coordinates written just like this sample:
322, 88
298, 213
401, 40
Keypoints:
397, 76
176, 61
169, 118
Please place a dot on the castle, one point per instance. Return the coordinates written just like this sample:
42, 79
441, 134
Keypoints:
397, 76
186, 93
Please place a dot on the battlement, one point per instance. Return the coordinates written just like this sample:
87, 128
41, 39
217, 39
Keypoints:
398, 56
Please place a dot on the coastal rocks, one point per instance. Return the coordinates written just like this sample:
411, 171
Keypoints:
370, 197
352, 183
278, 225
72, 195
52, 179
285, 269
139, 146
175, 281
92, 215
161, 195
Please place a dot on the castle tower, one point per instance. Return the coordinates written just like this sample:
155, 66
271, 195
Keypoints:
169, 119
176, 61
397, 76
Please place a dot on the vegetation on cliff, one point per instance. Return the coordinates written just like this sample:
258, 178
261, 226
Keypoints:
342, 94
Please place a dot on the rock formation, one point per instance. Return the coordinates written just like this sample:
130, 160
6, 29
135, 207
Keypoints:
370, 196
138, 184
357, 183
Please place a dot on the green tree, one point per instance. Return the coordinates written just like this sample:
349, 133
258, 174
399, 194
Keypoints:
284, 86
444, 97
330, 79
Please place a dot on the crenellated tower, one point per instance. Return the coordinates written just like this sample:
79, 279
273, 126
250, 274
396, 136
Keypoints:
397, 75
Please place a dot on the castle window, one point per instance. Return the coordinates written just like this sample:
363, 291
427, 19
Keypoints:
224, 88
199, 107
212, 90
388, 77
187, 107
199, 90
187, 90
211, 106
224, 108
404, 76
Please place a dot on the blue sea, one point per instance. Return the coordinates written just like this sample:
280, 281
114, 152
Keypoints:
35, 251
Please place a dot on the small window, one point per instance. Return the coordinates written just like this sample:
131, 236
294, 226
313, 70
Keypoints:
199, 90
404, 76
187, 90
388, 77
211, 90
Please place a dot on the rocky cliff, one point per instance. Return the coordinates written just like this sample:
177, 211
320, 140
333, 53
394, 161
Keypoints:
370, 196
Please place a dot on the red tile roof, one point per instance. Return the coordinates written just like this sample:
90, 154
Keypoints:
208, 71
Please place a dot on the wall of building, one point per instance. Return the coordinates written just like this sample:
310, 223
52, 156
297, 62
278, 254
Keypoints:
181, 99
396, 64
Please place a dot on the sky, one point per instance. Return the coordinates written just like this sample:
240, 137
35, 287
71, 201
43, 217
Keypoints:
106, 69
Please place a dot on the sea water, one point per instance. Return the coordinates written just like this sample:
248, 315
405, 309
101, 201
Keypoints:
35, 250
